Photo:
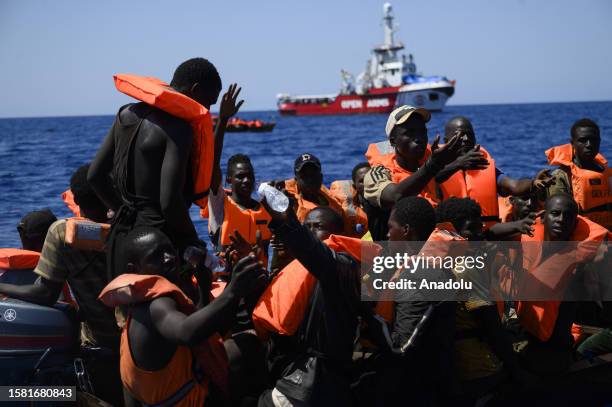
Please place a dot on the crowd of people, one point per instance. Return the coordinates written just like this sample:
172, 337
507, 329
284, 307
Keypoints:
278, 311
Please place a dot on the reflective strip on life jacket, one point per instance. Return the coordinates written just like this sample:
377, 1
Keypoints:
68, 199
479, 185
85, 234
18, 259
539, 317
282, 306
344, 192
157, 93
376, 152
592, 190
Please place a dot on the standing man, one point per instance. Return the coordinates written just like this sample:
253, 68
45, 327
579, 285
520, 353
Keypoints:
149, 147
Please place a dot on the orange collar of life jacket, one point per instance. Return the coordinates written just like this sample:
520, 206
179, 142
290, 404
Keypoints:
157, 93
564, 155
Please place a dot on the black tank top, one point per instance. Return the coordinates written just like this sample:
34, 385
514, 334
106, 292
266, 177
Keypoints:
136, 210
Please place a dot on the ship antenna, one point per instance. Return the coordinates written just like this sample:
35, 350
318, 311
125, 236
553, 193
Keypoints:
388, 25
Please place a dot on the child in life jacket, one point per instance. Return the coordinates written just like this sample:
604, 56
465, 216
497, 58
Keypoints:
171, 352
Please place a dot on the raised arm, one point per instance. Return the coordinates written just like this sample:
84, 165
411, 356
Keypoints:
414, 184
217, 316
228, 108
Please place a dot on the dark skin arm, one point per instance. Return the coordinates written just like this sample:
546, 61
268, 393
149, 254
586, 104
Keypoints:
99, 173
521, 187
414, 184
499, 231
172, 180
178, 328
472, 160
228, 108
42, 292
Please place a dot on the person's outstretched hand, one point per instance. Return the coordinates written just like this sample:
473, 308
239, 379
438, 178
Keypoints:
247, 275
473, 160
229, 107
543, 180
446, 154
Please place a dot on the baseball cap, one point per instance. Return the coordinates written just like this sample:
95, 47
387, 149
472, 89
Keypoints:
304, 159
37, 222
402, 113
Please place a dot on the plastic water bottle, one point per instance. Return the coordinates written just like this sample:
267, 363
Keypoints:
275, 198
193, 256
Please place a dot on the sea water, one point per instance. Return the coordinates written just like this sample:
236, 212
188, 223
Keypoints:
38, 155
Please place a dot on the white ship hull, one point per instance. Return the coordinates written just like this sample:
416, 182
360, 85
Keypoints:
431, 96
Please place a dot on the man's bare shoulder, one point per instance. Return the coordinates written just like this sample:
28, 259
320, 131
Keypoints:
157, 123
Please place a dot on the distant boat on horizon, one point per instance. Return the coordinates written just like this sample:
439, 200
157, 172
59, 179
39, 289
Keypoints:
389, 80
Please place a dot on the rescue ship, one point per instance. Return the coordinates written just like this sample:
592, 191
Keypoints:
389, 80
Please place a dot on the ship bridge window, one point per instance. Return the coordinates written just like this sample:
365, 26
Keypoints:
433, 96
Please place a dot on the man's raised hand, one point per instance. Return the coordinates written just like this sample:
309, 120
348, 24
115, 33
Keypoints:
229, 107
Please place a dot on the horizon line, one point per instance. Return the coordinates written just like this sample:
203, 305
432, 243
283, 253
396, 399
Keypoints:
275, 110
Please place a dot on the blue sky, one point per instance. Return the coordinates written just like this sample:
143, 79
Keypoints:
58, 57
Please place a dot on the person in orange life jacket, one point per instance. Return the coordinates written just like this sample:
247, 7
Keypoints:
158, 335
308, 190
584, 173
237, 212
404, 173
554, 354
350, 195
327, 331
147, 153
33, 227
427, 367
472, 157
85, 273
483, 349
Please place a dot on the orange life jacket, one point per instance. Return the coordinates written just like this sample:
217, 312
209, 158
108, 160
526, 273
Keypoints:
157, 93
376, 151
246, 221
18, 259
85, 234
398, 174
592, 190
68, 199
479, 185
282, 306
539, 317
354, 215
210, 354
304, 206
505, 208
438, 244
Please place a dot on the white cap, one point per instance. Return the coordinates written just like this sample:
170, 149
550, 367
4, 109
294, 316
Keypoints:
402, 113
